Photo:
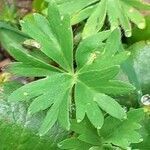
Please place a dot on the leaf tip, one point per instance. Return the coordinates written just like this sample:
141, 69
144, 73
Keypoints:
142, 25
128, 148
141, 140
125, 117
79, 120
128, 53
128, 33
99, 127
59, 145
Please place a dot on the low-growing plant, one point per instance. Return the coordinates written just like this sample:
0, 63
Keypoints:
76, 85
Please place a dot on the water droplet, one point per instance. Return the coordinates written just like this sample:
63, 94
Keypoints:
145, 100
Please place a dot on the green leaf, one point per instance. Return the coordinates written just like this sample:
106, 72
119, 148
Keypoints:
19, 130
43, 99
42, 102
98, 76
50, 119
94, 114
112, 14
123, 18
21, 69
86, 138
108, 104
114, 87
102, 61
113, 43
73, 143
85, 105
86, 100
74, 6
64, 112
57, 35
62, 30
135, 16
145, 132
142, 5
65, 86
123, 133
114, 133
140, 35
33, 89
96, 20
116, 10
82, 14
12, 39
140, 62
90, 45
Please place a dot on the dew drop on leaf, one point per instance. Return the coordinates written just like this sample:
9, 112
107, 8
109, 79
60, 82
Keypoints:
145, 100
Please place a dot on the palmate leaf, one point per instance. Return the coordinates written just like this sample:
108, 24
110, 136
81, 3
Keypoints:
12, 40
119, 12
91, 83
50, 33
19, 130
113, 134
145, 132
49, 94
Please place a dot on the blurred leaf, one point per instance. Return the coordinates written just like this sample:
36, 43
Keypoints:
145, 132
19, 130
113, 134
140, 60
140, 35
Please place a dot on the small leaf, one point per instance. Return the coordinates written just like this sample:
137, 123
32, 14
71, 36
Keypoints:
21, 69
123, 133
89, 46
113, 42
73, 143
135, 16
64, 112
98, 76
114, 87
108, 104
85, 105
49, 120
96, 20
95, 115
82, 14
41, 103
